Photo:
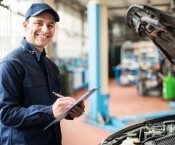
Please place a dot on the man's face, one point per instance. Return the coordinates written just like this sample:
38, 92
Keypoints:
40, 30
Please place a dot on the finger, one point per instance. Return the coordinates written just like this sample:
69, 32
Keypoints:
77, 111
66, 99
81, 105
71, 115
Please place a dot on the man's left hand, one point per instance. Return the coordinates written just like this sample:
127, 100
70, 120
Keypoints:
77, 111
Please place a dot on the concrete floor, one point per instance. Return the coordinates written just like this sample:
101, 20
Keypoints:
124, 101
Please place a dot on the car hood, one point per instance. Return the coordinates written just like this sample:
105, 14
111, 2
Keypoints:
156, 25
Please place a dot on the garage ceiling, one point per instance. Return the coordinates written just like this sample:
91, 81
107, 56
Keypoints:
118, 8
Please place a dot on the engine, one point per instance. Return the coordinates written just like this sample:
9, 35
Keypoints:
160, 131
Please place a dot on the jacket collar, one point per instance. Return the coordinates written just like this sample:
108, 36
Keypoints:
31, 49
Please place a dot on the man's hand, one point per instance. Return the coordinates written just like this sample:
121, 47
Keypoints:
61, 105
77, 111
64, 103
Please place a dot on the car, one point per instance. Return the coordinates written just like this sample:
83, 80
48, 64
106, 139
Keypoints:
159, 27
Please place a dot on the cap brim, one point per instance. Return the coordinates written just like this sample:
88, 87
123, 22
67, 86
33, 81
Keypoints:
55, 15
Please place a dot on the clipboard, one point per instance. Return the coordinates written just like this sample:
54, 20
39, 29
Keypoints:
65, 113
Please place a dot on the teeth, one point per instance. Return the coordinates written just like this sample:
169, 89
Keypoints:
43, 37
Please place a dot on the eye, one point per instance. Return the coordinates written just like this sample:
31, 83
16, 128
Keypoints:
38, 23
50, 26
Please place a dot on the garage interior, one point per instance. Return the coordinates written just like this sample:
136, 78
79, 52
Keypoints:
136, 81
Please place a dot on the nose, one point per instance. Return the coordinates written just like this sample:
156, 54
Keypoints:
45, 28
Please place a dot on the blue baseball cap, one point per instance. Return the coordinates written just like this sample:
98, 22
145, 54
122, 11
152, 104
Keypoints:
38, 8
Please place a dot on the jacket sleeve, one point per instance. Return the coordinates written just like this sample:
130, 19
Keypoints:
12, 112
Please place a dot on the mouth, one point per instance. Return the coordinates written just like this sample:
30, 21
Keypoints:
43, 37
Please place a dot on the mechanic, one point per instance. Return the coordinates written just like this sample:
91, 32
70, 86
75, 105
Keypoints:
27, 80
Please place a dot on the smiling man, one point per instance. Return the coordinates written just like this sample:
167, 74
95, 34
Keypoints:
27, 80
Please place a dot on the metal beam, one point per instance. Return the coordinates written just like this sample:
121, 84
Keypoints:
74, 4
126, 7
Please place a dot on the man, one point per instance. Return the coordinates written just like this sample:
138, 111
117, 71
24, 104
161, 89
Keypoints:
27, 82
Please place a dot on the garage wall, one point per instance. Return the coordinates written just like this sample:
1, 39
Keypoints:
71, 34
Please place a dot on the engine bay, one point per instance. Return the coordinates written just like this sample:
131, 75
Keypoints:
159, 132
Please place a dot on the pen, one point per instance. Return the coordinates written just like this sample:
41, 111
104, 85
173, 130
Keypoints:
58, 95
61, 96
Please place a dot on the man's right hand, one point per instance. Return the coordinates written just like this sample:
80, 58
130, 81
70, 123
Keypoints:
62, 104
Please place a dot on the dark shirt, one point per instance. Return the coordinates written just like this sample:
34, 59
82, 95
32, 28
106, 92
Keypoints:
26, 98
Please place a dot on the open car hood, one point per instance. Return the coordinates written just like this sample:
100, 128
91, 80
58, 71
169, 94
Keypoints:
157, 25
159, 131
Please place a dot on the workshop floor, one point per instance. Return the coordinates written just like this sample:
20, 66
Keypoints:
123, 101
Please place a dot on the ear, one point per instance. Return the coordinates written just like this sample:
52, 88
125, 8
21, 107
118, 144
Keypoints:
25, 24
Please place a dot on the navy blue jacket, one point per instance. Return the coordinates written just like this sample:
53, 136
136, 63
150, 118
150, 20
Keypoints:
26, 99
